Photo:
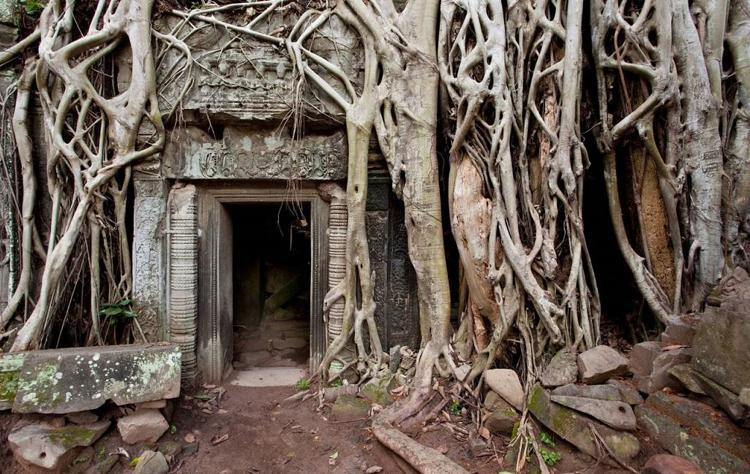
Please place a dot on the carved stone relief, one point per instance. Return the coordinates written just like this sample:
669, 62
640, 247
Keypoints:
243, 154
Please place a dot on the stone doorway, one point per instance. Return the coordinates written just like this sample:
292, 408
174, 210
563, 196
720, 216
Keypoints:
226, 214
271, 285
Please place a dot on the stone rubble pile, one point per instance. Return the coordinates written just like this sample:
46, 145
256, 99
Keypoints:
54, 443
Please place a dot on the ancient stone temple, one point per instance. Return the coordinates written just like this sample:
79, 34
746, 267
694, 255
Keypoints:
239, 227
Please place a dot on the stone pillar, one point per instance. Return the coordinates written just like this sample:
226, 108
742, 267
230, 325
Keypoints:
182, 292
149, 259
9, 232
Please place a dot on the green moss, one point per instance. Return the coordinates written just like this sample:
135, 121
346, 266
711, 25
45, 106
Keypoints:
41, 389
8, 386
72, 436
562, 420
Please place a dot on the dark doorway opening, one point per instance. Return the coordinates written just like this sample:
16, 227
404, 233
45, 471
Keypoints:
271, 284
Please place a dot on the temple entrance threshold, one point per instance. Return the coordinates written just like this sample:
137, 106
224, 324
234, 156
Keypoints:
271, 292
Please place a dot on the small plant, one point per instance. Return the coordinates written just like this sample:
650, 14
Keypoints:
303, 384
454, 407
337, 382
172, 429
549, 457
118, 310
546, 438
33, 7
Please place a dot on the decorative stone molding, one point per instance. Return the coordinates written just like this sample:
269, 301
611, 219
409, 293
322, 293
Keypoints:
182, 289
337, 225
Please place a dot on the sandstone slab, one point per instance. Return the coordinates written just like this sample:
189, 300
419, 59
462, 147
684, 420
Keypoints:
720, 348
505, 382
697, 432
629, 393
660, 377
642, 357
501, 417
561, 370
80, 379
598, 392
679, 332
616, 414
47, 447
600, 363
668, 464
575, 428
686, 376
143, 426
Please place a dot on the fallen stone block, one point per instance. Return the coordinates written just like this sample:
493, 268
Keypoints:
616, 414
505, 382
349, 408
80, 379
696, 431
330, 394
52, 448
720, 349
668, 464
378, 390
660, 377
629, 393
686, 376
577, 429
598, 392
141, 426
150, 462
501, 416
10, 368
679, 332
728, 401
561, 370
745, 397
642, 357
601, 363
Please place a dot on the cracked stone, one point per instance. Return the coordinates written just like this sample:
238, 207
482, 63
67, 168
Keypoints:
601, 363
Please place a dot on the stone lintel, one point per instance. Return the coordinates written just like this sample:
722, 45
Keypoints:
78, 379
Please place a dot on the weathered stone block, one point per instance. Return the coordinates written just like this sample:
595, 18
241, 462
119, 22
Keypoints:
80, 379
668, 464
600, 363
505, 382
10, 366
150, 462
146, 425
350, 408
575, 428
598, 392
47, 447
616, 414
642, 357
720, 348
660, 377
686, 376
679, 332
561, 370
502, 417
695, 431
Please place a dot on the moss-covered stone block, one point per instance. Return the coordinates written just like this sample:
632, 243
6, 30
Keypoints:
79, 379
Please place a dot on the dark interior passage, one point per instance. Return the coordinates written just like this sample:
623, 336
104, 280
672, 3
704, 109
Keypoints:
271, 252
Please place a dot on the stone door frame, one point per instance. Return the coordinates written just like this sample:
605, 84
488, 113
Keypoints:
213, 350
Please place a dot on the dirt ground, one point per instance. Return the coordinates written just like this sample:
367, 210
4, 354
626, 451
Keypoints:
247, 431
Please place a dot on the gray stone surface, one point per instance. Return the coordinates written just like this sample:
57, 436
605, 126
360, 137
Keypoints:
720, 349
629, 393
600, 363
561, 370
502, 418
576, 428
616, 414
686, 377
150, 462
142, 426
80, 379
660, 377
505, 382
727, 400
598, 392
745, 397
82, 417
669, 464
349, 408
679, 332
642, 357
149, 258
697, 432
52, 448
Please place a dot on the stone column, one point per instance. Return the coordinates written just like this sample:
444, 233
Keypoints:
149, 258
